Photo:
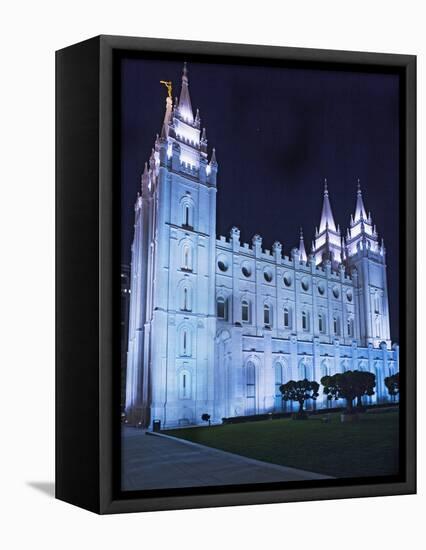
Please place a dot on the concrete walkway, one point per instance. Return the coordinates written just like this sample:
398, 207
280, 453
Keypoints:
161, 462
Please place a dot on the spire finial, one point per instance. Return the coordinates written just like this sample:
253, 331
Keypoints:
213, 157
185, 108
360, 213
302, 250
327, 220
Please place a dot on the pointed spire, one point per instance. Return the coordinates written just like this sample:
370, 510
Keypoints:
213, 160
152, 160
302, 251
185, 107
360, 213
327, 220
204, 135
145, 181
167, 117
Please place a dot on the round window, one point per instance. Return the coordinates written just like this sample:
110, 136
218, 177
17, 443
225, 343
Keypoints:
222, 264
267, 274
336, 291
246, 270
349, 295
321, 289
287, 279
305, 283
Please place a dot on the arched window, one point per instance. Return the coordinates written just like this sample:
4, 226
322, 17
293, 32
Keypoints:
303, 370
305, 320
376, 302
245, 311
187, 257
321, 322
267, 316
350, 326
336, 325
185, 342
221, 308
186, 299
185, 384
325, 369
187, 213
286, 317
251, 388
278, 381
378, 327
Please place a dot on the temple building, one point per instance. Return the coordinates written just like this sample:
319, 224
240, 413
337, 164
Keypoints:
217, 325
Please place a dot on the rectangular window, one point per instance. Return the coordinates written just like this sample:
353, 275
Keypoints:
185, 385
251, 380
245, 312
267, 315
286, 318
221, 309
336, 326
376, 304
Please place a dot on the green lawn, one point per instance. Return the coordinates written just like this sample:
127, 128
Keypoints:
368, 447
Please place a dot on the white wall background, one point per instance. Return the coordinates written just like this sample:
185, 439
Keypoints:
30, 32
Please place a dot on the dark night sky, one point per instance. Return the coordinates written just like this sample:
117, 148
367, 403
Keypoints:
277, 132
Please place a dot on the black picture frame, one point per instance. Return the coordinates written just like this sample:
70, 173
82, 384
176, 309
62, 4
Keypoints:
87, 423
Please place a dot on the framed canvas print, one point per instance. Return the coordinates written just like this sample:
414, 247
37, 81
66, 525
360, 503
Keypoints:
235, 274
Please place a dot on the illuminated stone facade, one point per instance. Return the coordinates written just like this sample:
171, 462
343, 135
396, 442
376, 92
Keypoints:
216, 325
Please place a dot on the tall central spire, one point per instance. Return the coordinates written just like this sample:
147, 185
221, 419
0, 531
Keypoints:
327, 220
360, 213
362, 232
328, 241
185, 107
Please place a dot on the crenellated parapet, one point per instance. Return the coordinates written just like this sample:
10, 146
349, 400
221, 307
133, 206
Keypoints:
275, 256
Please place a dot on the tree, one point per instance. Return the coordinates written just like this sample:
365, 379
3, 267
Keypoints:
392, 384
365, 383
206, 418
299, 391
345, 385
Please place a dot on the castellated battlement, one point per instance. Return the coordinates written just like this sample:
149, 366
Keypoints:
233, 246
